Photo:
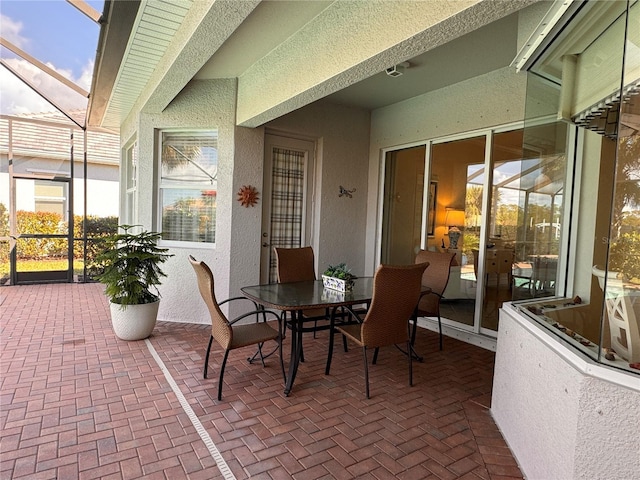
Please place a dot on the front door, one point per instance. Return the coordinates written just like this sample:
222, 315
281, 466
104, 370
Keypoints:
287, 194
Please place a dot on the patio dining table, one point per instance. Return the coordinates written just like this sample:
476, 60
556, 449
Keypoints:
296, 297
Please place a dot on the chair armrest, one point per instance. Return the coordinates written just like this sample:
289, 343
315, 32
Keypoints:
354, 314
262, 312
255, 305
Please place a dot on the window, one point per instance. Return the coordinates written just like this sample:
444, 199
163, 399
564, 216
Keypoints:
188, 185
131, 180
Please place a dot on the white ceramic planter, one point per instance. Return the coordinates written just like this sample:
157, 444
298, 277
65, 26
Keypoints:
335, 284
135, 322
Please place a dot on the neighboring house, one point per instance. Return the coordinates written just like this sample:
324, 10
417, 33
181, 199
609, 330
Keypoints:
38, 177
41, 144
508, 112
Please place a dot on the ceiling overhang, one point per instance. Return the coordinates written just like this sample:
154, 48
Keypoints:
284, 54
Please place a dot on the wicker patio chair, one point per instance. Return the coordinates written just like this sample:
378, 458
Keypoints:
229, 334
297, 265
436, 277
396, 290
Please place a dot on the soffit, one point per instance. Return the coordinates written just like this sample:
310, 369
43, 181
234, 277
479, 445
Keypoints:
269, 25
149, 28
458, 60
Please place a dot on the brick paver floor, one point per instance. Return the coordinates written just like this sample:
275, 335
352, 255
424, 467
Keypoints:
76, 402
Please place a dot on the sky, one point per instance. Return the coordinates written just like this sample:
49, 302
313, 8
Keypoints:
57, 34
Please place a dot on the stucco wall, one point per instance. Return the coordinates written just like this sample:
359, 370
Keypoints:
201, 105
342, 134
343, 138
489, 100
562, 415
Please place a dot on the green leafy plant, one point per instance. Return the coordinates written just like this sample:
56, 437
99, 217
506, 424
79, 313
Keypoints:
624, 256
340, 271
130, 266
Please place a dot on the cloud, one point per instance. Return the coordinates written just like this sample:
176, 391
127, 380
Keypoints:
18, 98
11, 31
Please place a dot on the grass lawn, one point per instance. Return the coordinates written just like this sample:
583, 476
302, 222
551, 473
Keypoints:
42, 266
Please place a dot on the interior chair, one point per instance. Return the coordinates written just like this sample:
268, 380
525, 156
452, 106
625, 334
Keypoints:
396, 290
623, 324
436, 277
231, 334
543, 275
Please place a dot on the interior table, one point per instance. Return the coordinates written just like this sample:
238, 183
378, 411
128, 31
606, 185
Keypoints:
299, 296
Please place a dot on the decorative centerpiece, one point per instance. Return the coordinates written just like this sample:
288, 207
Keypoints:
338, 277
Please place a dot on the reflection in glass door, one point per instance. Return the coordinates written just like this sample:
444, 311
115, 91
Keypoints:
402, 211
43, 251
458, 169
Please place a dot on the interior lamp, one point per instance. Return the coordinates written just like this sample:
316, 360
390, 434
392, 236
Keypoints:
454, 220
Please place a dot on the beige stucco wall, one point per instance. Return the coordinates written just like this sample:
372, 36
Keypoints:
553, 404
201, 105
342, 135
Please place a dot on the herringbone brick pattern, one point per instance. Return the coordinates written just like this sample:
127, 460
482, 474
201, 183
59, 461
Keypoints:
76, 402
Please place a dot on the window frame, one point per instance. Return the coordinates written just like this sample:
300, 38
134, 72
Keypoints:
187, 185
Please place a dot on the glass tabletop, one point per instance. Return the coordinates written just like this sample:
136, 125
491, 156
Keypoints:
309, 294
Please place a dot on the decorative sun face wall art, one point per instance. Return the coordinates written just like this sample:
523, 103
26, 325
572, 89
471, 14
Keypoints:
248, 196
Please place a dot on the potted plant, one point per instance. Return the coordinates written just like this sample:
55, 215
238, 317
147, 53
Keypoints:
338, 277
130, 266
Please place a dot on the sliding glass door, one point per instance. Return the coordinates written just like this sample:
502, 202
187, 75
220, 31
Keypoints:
403, 198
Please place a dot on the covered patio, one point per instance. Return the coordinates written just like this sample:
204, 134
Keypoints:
79, 403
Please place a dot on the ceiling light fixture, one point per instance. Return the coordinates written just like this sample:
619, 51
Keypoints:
398, 69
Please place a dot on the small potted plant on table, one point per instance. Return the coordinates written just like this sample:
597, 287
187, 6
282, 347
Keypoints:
338, 277
130, 266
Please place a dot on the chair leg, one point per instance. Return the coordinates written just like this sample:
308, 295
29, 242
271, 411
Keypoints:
410, 363
261, 355
224, 362
440, 330
206, 357
330, 354
375, 355
366, 372
279, 340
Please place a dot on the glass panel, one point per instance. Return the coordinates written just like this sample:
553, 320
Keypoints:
601, 316
42, 254
402, 216
189, 167
621, 282
189, 157
4, 211
132, 167
188, 215
458, 169
43, 207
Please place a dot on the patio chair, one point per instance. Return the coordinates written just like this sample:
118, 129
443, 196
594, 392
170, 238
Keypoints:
229, 334
436, 277
396, 290
623, 324
297, 265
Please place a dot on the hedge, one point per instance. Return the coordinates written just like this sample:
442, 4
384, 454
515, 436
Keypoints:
53, 224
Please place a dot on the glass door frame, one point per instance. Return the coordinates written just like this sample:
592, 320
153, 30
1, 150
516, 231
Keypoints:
21, 278
565, 261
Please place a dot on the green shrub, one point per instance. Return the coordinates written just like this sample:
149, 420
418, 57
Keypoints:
624, 256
